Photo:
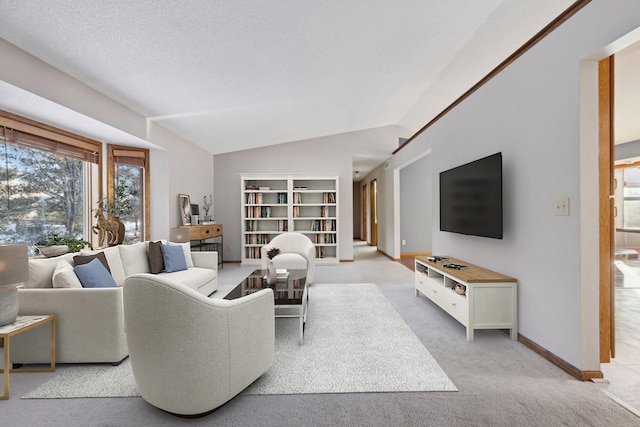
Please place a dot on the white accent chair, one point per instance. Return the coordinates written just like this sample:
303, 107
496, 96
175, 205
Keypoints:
190, 354
296, 252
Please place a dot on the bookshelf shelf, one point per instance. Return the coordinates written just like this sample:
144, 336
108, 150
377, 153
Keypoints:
274, 204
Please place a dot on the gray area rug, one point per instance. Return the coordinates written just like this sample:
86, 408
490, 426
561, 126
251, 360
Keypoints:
354, 342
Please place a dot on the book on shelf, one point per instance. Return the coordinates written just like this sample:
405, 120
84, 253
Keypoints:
264, 188
328, 197
300, 188
251, 187
254, 198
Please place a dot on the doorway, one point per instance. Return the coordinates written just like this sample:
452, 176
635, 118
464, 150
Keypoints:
364, 213
619, 235
373, 191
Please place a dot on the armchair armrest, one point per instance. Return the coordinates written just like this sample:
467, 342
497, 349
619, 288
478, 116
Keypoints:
251, 332
89, 325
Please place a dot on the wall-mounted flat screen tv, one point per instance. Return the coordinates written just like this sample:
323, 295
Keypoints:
471, 198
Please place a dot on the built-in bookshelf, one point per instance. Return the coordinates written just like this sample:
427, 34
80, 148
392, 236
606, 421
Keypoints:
274, 204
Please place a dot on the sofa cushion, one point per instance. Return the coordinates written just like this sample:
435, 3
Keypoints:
156, 263
194, 278
41, 271
134, 258
64, 276
173, 257
94, 275
87, 258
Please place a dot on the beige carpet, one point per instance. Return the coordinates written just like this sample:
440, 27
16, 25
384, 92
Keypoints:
354, 342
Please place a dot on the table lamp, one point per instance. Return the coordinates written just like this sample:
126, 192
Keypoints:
14, 268
179, 235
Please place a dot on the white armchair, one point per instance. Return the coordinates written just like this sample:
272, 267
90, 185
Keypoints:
189, 353
296, 252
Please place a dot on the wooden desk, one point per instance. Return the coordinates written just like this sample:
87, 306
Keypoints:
22, 324
200, 233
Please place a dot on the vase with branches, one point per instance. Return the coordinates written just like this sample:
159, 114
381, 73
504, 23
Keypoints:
206, 205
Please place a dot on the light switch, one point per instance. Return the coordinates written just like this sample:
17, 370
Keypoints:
562, 207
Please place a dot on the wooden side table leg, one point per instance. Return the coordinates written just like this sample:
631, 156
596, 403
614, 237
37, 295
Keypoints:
6, 370
53, 344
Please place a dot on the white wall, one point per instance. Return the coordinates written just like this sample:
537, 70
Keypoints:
531, 112
176, 165
331, 155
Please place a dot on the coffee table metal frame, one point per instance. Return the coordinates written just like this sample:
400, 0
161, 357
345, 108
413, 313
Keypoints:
287, 303
23, 324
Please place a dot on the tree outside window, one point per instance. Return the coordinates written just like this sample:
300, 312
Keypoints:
41, 193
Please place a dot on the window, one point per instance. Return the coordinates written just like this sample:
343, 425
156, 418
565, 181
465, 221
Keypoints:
47, 180
631, 198
128, 178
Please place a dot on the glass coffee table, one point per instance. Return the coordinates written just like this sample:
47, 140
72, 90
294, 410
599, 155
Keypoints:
290, 294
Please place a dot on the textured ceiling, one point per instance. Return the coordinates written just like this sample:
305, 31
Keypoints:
230, 75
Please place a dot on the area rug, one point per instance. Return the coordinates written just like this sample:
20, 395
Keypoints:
354, 342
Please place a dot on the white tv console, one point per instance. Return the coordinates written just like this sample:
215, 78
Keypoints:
490, 300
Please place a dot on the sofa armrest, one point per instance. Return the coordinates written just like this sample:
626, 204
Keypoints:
89, 325
205, 259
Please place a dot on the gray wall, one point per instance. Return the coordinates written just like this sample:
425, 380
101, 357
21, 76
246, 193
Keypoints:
415, 206
627, 150
330, 155
541, 113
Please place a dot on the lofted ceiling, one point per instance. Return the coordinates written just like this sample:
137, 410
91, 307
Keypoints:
231, 75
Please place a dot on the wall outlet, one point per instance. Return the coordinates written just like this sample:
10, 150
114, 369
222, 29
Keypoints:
404, 242
562, 207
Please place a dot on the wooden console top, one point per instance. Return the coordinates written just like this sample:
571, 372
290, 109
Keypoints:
471, 274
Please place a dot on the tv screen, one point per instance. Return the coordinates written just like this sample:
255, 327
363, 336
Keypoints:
471, 198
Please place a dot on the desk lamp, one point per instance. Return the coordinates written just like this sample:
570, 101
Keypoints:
14, 268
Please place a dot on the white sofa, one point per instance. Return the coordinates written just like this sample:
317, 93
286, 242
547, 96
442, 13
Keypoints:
90, 321
191, 354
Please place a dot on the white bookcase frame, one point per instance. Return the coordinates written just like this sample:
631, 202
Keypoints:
273, 204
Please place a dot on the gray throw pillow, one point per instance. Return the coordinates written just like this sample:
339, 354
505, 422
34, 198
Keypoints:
156, 262
85, 259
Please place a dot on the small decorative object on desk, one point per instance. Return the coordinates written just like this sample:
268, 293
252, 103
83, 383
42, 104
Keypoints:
206, 206
460, 289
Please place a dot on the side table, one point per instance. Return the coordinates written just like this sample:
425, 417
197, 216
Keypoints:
23, 324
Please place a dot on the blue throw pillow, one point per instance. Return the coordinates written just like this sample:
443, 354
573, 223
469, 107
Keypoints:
173, 257
94, 275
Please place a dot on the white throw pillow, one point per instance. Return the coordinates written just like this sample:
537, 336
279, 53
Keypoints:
64, 276
134, 258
